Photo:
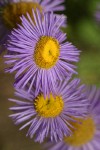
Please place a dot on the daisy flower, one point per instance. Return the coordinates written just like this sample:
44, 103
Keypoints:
97, 14
11, 10
41, 55
87, 134
50, 116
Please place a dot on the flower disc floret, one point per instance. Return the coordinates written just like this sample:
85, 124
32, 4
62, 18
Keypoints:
13, 11
83, 133
50, 106
46, 52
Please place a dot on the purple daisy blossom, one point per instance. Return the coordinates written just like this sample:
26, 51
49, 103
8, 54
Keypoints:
50, 116
97, 14
47, 5
92, 131
11, 10
41, 55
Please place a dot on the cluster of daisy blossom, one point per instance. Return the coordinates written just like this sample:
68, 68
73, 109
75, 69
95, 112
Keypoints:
48, 101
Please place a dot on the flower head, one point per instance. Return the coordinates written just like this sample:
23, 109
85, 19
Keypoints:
40, 54
97, 14
50, 116
86, 135
12, 10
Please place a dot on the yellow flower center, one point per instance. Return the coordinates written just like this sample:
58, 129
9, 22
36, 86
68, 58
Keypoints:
83, 134
47, 52
12, 12
48, 107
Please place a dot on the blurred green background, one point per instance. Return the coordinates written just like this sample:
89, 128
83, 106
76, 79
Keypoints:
84, 32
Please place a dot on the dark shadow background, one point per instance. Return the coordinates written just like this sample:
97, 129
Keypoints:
84, 32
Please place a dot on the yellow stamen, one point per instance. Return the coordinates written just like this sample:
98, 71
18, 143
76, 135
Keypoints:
12, 12
83, 134
47, 52
49, 107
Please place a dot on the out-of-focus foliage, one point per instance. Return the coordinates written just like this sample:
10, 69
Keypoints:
84, 32
82, 26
